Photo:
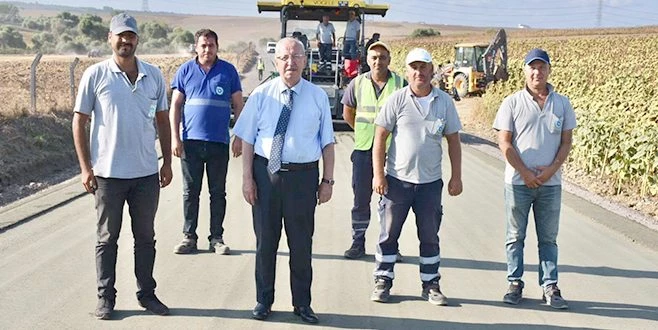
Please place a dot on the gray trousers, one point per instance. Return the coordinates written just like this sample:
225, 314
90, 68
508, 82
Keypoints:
142, 196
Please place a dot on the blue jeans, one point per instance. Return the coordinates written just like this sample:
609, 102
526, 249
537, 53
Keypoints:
362, 188
214, 157
425, 200
141, 195
545, 202
349, 49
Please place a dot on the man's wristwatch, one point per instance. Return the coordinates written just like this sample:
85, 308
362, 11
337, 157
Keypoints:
328, 181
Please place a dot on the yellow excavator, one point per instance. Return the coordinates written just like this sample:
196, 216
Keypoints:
476, 65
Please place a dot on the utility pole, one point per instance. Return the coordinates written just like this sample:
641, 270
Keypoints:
145, 5
599, 14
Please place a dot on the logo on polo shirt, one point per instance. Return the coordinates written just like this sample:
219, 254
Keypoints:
219, 90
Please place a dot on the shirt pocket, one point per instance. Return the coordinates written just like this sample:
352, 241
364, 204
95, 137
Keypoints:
152, 108
555, 124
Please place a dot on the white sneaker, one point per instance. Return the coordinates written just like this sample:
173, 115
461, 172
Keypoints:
217, 245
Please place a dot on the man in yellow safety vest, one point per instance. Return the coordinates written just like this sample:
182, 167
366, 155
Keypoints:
362, 100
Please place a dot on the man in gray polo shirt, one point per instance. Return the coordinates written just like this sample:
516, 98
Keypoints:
534, 128
351, 37
418, 116
124, 98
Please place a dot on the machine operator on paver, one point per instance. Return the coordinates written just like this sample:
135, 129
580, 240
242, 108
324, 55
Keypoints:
333, 77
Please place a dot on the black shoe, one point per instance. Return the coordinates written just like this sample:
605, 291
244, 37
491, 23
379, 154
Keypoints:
306, 313
261, 311
104, 308
154, 305
356, 251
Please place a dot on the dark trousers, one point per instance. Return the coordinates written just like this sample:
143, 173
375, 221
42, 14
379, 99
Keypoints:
350, 49
290, 196
142, 196
325, 52
425, 200
214, 157
362, 188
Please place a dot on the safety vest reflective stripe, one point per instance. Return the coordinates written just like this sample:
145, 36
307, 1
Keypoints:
367, 107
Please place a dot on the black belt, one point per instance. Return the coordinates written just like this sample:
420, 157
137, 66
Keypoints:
289, 167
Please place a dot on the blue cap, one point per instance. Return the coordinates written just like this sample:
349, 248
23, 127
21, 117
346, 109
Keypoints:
537, 54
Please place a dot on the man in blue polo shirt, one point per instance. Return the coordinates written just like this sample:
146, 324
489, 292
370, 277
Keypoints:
204, 89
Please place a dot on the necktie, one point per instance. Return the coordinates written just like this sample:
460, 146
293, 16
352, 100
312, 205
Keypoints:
274, 163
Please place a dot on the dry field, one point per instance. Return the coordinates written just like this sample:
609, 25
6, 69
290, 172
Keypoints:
35, 146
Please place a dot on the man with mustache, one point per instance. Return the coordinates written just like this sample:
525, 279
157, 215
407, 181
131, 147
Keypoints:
124, 97
535, 127
205, 89
363, 98
417, 117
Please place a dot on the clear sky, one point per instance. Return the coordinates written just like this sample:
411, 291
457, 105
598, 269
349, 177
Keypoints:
494, 13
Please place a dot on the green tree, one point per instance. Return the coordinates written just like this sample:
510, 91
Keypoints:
153, 30
180, 37
92, 26
44, 42
69, 20
10, 38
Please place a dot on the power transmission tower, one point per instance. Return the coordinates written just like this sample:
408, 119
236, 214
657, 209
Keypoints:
599, 13
145, 5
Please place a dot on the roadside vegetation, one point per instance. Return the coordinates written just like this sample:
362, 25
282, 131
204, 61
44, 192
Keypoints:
67, 33
614, 91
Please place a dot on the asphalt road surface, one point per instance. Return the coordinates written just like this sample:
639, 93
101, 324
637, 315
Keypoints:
47, 269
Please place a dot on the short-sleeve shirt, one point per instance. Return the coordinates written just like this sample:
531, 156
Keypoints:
310, 128
536, 133
326, 33
352, 30
348, 95
122, 138
207, 110
415, 152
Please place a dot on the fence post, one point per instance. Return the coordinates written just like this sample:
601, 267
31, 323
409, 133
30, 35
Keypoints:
33, 83
72, 79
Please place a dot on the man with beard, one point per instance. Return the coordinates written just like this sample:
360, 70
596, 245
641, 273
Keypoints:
123, 96
204, 89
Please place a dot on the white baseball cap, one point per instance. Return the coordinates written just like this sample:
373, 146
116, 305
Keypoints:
418, 55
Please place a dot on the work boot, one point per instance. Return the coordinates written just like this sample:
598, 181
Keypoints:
382, 290
186, 246
356, 251
217, 245
514, 293
104, 308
